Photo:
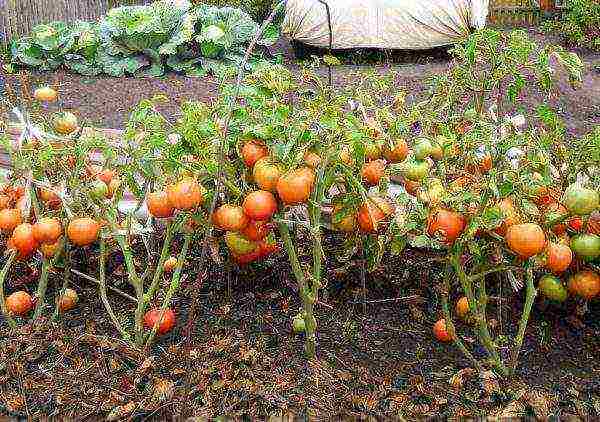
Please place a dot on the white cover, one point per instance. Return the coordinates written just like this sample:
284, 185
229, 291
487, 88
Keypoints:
386, 24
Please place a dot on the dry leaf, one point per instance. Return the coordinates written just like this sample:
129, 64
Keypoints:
489, 382
120, 412
457, 380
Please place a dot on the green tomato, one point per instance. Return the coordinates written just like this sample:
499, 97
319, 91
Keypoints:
298, 324
416, 170
580, 200
238, 244
98, 190
422, 149
551, 287
586, 246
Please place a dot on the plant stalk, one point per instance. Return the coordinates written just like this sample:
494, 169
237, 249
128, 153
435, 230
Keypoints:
530, 295
11, 258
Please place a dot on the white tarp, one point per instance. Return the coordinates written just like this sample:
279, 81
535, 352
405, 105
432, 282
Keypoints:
393, 24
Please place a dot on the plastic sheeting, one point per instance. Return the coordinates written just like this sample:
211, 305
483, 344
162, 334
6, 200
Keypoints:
386, 24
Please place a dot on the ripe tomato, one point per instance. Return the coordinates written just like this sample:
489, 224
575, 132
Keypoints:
526, 240
344, 220
586, 246
67, 300
256, 230
422, 149
50, 198
265, 248
580, 200
158, 204
65, 123
585, 284
372, 214
551, 287
373, 171
239, 245
462, 307
441, 333
295, 187
23, 239
593, 223
576, 224
553, 212
49, 250
397, 153
185, 195
4, 201
230, 218
9, 219
47, 230
558, 257
416, 170
106, 175
83, 231
165, 324
248, 258
446, 225
266, 174
511, 217
312, 159
19, 303
45, 94
252, 151
169, 264
260, 205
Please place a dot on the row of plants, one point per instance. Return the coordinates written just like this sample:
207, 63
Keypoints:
146, 40
283, 158
578, 24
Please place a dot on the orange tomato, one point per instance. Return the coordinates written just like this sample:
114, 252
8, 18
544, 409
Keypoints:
47, 230
83, 231
441, 333
558, 257
446, 224
260, 205
373, 171
295, 187
526, 240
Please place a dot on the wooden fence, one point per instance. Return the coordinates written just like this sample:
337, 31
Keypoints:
17, 17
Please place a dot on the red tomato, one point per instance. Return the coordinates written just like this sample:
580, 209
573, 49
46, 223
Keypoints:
441, 333
23, 239
166, 324
252, 151
256, 230
260, 205
19, 303
230, 218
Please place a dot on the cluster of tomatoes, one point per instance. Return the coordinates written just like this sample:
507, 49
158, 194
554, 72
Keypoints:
571, 241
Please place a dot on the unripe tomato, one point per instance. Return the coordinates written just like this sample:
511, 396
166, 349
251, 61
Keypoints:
372, 151
397, 153
372, 214
580, 200
185, 195
65, 123
526, 240
373, 171
266, 174
45, 94
558, 257
23, 239
445, 224
554, 212
49, 198
98, 190
252, 151
47, 230
19, 303
260, 205
551, 287
344, 220
422, 149
49, 250
441, 333
295, 187
256, 230
68, 300
511, 217
346, 156
230, 218
238, 244
298, 324
170, 264
312, 159
585, 284
462, 307
83, 231
158, 205
416, 170
165, 324
586, 246
10, 218
113, 186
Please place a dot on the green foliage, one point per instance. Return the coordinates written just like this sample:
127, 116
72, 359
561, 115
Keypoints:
145, 40
258, 9
580, 24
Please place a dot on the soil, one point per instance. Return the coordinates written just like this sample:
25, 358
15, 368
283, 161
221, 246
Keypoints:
376, 360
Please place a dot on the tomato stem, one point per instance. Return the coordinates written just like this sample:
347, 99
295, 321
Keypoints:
11, 258
530, 295
158, 272
41, 290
